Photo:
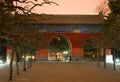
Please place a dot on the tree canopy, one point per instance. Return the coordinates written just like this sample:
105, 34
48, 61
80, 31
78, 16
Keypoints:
12, 15
112, 24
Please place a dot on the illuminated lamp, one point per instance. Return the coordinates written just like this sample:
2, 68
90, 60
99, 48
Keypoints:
117, 60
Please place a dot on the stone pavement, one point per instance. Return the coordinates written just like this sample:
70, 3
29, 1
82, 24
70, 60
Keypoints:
65, 72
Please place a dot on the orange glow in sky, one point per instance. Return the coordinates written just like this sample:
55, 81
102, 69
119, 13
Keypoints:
70, 7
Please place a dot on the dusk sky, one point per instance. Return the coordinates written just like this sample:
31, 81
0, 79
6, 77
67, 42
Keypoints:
70, 7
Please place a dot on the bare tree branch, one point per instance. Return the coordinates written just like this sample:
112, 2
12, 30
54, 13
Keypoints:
40, 4
103, 8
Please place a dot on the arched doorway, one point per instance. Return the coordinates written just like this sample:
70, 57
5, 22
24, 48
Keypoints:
59, 49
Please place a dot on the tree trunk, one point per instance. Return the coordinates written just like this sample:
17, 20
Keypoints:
17, 65
11, 67
28, 63
98, 57
114, 64
24, 62
104, 59
30, 59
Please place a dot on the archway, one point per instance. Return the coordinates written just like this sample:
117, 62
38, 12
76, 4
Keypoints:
59, 49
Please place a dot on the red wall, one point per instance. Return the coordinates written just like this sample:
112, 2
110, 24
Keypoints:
77, 41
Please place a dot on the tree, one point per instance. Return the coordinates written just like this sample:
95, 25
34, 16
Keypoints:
112, 26
103, 8
31, 39
94, 46
9, 10
112, 23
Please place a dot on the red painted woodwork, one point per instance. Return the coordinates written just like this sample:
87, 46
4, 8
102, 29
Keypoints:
76, 39
108, 51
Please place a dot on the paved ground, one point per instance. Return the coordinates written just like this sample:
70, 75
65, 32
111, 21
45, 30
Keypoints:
63, 72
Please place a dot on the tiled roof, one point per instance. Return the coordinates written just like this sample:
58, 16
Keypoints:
68, 19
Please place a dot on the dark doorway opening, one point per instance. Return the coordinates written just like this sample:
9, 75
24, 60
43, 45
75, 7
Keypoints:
59, 49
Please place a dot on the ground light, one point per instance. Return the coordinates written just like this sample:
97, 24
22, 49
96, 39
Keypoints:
1, 62
28, 57
109, 58
117, 60
2, 65
65, 52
